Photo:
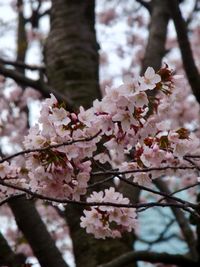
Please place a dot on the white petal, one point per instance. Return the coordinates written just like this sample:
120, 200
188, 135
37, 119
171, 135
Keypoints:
149, 73
156, 79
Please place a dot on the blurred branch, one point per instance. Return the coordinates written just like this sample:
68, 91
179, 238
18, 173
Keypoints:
181, 220
7, 199
22, 43
145, 4
161, 236
42, 87
21, 64
34, 18
155, 49
196, 8
8, 257
185, 48
46, 12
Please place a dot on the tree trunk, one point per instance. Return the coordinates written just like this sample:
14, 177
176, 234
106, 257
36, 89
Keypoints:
71, 51
35, 231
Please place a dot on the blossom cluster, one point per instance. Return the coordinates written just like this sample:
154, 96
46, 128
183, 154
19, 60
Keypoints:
131, 124
108, 221
62, 171
13, 117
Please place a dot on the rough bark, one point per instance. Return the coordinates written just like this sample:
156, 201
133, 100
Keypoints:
71, 51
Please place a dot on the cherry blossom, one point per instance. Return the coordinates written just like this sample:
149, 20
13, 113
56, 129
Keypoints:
135, 133
150, 79
108, 221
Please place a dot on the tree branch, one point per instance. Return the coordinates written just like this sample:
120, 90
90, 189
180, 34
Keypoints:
110, 172
195, 9
162, 193
34, 230
21, 64
43, 88
7, 256
161, 236
148, 256
145, 4
28, 151
181, 220
181, 205
185, 48
155, 49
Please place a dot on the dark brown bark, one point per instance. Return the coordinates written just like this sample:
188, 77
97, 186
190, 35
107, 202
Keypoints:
35, 232
155, 49
185, 48
24, 81
22, 43
190, 68
71, 51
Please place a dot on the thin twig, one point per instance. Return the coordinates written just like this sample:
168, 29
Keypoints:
98, 204
27, 151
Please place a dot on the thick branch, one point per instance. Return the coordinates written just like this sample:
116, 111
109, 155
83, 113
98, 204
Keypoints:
34, 230
44, 89
145, 4
22, 42
21, 64
7, 256
155, 49
185, 48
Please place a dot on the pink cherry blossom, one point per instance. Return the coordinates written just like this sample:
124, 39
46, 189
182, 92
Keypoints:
99, 220
150, 79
